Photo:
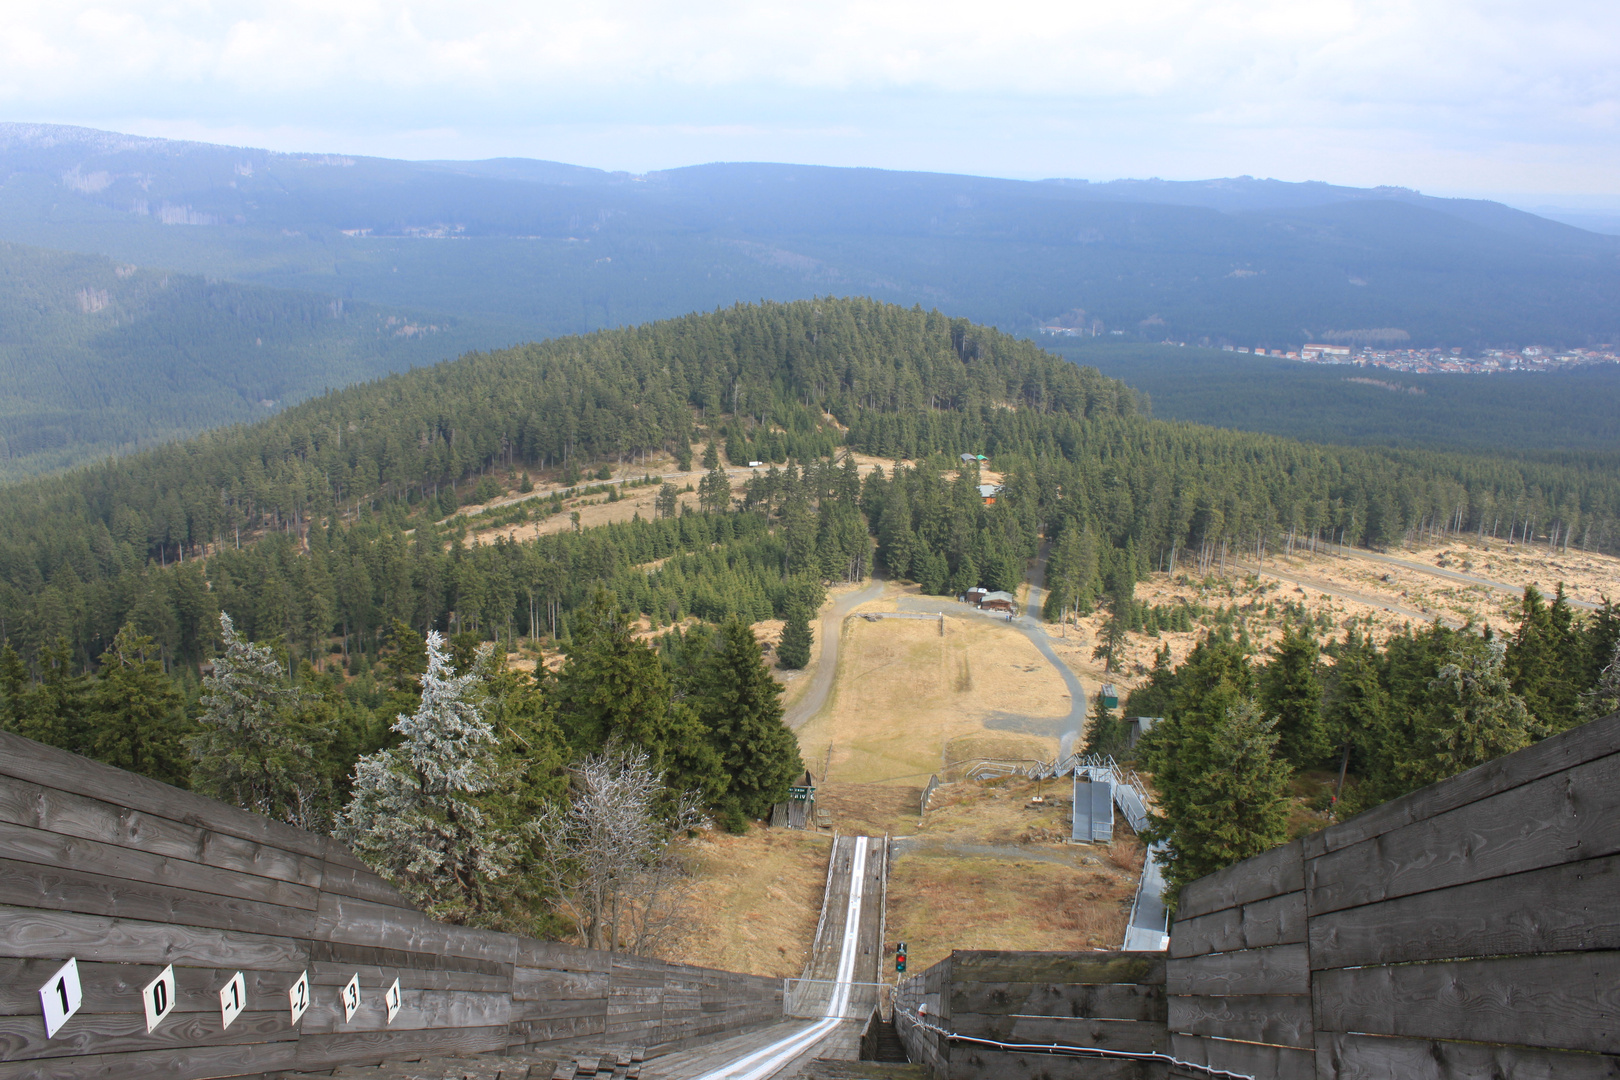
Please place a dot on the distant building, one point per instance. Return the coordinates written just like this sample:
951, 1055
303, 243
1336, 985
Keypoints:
999, 601
977, 594
1313, 352
988, 493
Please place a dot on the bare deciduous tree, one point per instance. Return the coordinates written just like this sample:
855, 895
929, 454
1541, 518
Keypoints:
609, 854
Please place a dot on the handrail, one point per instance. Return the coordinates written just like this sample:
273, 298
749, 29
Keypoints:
1064, 1050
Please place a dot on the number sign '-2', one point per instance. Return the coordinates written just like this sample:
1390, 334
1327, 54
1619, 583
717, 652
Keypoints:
298, 996
60, 997
158, 997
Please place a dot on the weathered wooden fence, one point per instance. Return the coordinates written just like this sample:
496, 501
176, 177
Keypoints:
128, 876
1110, 1000
1471, 929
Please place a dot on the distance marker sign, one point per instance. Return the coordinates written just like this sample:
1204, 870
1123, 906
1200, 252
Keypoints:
392, 999
232, 999
351, 998
158, 997
298, 996
60, 997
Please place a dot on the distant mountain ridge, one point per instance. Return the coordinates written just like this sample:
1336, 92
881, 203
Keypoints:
557, 248
99, 357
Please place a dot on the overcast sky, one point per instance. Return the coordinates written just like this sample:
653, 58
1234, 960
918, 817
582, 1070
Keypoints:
1504, 97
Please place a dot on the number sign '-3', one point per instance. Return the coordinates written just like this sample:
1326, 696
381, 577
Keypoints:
351, 998
60, 997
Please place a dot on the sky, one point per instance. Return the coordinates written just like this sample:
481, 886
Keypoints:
1507, 98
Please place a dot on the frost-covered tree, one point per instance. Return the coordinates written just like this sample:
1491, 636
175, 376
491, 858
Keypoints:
254, 749
609, 854
415, 814
1478, 718
1604, 698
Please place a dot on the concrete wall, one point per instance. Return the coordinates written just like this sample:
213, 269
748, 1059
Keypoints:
128, 875
1469, 929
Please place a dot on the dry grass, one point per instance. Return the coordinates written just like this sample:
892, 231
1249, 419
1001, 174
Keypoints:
940, 900
755, 901
902, 708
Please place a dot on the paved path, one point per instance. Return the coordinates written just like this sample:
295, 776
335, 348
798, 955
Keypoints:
832, 628
1030, 625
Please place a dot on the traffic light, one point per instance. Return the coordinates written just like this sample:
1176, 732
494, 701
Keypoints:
900, 958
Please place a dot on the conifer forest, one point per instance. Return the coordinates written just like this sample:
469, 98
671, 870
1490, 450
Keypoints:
296, 615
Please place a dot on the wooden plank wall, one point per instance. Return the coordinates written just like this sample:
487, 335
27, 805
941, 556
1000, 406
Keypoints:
129, 875
1113, 1001
1468, 929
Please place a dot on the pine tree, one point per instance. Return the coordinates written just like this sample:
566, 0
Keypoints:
1479, 717
1104, 734
1542, 659
1234, 806
416, 815
741, 705
254, 749
138, 718
793, 652
1291, 692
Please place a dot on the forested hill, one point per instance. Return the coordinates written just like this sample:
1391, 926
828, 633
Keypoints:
560, 249
84, 553
98, 357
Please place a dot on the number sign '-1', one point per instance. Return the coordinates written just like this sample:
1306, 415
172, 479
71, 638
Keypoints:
298, 996
60, 997
232, 999
392, 1000
351, 998
158, 997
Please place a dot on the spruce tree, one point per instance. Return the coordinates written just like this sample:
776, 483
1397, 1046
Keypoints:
416, 813
741, 705
139, 721
1232, 806
254, 749
1479, 716
793, 652
1291, 693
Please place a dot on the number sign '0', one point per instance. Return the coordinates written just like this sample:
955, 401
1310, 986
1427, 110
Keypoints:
232, 999
351, 998
60, 997
298, 996
158, 997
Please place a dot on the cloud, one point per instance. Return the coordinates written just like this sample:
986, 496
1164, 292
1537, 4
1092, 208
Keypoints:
1348, 74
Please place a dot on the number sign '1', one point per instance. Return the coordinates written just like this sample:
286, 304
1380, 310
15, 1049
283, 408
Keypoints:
351, 998
158, 997
298, 996
232, 999
60, 997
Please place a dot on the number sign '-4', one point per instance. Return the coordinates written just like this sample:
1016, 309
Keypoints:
232, 999
392, 999
60, 997
158, 997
